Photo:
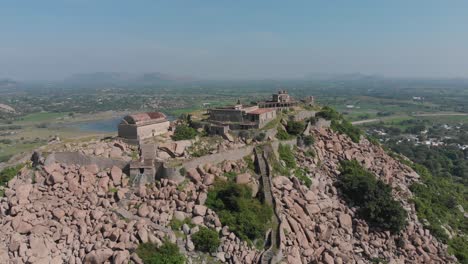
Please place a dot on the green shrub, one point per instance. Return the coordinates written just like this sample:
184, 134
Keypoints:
167, 253
312, 120
9, 173
373, 197
206, 240
244, 135
183, 171
328, 113
260, 137
309, 140
287, 155
183, 132
295, 127
281, 134
345, 127
247, 217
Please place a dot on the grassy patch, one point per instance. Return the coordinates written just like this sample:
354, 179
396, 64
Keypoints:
250, 162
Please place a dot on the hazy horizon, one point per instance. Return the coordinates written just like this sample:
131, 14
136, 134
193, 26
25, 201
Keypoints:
51, 40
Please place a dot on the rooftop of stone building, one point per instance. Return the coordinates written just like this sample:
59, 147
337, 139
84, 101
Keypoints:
142, 118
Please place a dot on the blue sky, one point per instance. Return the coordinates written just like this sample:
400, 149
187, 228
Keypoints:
233, 39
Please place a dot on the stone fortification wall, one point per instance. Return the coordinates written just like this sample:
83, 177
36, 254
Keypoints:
71, 158
302, 115
216, 158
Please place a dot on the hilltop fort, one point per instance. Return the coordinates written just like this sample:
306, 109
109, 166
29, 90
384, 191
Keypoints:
263, 183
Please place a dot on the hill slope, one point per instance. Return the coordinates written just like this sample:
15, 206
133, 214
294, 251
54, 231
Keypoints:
63, 213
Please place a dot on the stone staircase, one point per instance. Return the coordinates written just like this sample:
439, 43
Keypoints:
270, 255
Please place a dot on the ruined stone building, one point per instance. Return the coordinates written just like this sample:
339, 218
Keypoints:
279, 100
143, 125
309, 100
241, 117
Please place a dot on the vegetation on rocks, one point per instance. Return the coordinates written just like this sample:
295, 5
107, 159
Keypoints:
345, 127
300, 173
167, 253
309, 140
295, 127
260, 137
247, 217
438, 200
177, 224
373, 197
339, 124
328, 113
183, 132
206, 240
287, 155
7, 174
281, 134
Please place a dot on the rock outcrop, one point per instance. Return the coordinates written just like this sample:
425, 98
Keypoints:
73, 214
63, 213
317, 226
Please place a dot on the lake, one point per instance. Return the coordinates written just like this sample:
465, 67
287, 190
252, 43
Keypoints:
105, 126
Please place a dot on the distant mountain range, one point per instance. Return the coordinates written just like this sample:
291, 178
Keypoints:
97, 80
119, 78
6, 83
344, 76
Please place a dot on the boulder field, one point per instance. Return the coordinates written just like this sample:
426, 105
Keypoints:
80, 214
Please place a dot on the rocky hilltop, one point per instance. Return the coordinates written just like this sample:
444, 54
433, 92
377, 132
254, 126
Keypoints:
75, 213
318, 226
